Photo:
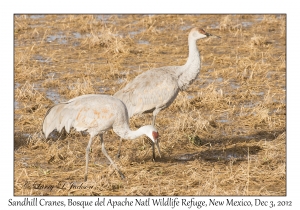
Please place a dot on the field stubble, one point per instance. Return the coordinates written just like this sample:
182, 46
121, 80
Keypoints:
225, 135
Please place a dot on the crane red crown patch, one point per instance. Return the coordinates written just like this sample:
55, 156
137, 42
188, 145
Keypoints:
155, 134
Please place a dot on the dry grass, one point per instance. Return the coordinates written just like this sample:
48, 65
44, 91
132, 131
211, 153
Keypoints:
226, 135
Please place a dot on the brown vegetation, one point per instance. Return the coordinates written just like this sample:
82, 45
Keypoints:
226, 135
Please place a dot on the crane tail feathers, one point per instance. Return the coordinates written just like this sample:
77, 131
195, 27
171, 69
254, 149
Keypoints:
54, 119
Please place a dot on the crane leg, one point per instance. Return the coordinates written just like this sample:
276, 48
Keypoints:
153, 149
155, 112
119, 151
111, 161
87, 151
153, 119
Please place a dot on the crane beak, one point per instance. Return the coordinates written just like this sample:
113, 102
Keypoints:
213, 36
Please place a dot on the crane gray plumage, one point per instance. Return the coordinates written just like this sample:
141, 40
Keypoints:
95, 114
156, 89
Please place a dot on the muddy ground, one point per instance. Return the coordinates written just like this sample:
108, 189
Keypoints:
225, 135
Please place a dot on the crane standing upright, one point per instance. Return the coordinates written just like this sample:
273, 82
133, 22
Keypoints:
156, 89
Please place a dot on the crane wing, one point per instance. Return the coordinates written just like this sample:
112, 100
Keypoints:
83, 113
156, 88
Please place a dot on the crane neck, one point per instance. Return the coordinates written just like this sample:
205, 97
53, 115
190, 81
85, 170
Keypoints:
190, 70
134, 134
194, 55
125, 133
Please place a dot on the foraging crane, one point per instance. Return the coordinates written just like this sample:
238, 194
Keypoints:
95, 114
156, 89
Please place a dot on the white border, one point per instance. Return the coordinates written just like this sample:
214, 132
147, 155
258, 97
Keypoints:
8, 8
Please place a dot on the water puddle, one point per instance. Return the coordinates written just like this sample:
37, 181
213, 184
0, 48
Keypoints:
16, 105
53, 75
224, 156
270, 74
247, 24
41, 59
185, 27
104, 18
190, 97
131, 70
220, 79
261, 93
60, 38
228, 157
36, 16
221, 51
259, 18
234, 85
142, 42
281, 101
215, 26
249, 104
187, 157
209, 81
223, 120
51, 93
17, 85
24, 160
77, 35
103, 89
133, 33
235, 153
120, 81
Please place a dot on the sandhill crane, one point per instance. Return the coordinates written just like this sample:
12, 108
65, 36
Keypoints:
155, 89
95, 114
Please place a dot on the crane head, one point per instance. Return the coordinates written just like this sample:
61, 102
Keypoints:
199, 33
152, 133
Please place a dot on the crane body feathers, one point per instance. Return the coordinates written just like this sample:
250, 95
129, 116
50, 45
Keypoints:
93, 113
159, 94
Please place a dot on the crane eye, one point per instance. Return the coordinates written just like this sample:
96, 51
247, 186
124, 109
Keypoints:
201, 31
